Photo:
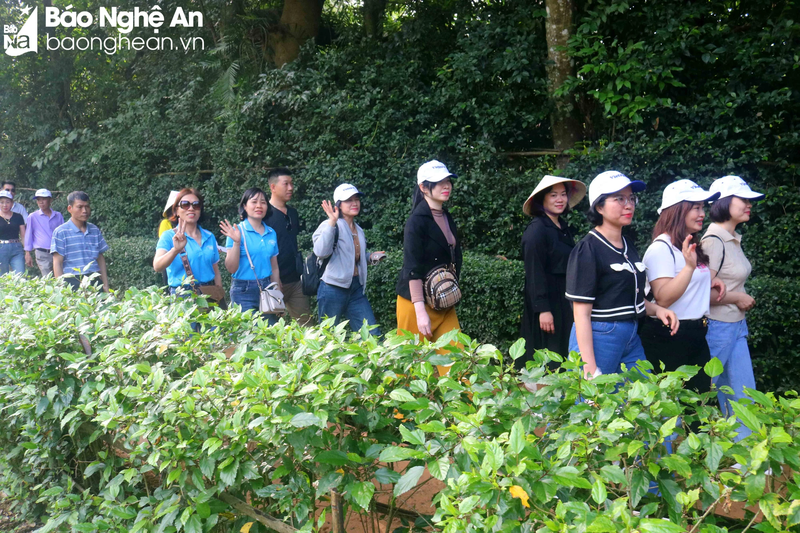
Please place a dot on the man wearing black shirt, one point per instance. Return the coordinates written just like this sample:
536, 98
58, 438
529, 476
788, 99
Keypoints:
284, 220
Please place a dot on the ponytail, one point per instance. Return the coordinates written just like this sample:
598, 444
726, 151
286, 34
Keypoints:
418, 196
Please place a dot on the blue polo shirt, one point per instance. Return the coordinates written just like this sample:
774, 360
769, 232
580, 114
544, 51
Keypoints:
262, 249
79, 249
202, 257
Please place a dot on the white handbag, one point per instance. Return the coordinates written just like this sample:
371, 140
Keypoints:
270, 300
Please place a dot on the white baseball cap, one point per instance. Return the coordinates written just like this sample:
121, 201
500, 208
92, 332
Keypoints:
612, 181
685, 191
43, 193
734, 186
433, 171
6, 194
170, 202
344, 192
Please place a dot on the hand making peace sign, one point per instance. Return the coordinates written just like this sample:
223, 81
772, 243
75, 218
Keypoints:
179, 239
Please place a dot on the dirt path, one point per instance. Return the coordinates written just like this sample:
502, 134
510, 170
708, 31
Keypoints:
10, 522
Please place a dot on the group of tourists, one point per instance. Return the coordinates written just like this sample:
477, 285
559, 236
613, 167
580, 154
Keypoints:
682, 303
71, 250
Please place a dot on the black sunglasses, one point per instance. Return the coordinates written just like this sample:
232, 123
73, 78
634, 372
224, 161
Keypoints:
186, 204
288, 222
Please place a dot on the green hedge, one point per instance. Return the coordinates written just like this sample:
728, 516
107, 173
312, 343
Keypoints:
491, 309
157, 430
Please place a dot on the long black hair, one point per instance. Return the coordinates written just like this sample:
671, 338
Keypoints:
252, 192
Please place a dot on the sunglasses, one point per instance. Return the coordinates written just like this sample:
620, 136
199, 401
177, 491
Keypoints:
186, 204
288, 222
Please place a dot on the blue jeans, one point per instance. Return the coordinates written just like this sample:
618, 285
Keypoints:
247, 294
614, 343
727, 341
352, 304
12, 258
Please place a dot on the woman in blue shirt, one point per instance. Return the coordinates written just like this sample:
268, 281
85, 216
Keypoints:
188, 240
262, 243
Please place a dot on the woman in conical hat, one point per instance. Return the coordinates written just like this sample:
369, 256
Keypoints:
546, 245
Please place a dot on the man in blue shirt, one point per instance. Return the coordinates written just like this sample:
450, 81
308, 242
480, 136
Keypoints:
78, 246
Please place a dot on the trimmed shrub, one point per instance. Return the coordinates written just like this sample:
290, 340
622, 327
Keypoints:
157, 430
491, 309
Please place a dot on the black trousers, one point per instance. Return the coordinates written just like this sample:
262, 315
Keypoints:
687, 347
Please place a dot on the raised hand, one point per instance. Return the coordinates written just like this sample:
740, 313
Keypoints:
231, 231
332, 211
689, 252
179, 239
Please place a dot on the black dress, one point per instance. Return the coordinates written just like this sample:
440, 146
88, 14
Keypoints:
545, 250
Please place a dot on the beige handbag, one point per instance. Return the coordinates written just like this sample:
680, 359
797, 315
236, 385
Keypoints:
441, 286
270, 300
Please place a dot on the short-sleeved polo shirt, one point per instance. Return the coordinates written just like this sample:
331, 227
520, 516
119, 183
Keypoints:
609, 278
734, 271
262, 249
79, 249
695, 300
202, 257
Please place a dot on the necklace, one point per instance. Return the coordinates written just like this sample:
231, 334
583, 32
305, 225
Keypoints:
8, 220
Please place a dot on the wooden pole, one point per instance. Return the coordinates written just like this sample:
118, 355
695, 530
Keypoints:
337, 512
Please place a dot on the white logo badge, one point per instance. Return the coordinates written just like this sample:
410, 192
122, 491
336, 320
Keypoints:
16, 43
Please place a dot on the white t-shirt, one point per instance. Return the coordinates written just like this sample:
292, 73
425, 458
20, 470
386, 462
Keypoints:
694, 303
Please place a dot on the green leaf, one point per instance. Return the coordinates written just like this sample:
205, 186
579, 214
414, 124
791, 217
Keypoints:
602, 524
412, 437
329, 481
207, 466
386, 476
362, 493
228, 474
439, 467
516, 441
393, 454
401, 395
613, 474
303, 420
203, 510
754, 487
212, 444
516, 351
639, 486
193, 525
92, 468
599, 493
332, 457
656, 525
713, 368
409, 480
747, 416
713, 457
493, 460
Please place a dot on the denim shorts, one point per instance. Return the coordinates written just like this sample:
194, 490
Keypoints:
615, 343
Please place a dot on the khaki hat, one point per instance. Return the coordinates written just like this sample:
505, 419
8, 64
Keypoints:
576, 190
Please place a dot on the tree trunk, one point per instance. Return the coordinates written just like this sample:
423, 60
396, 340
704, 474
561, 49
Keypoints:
374, 11
565, 127
300, 22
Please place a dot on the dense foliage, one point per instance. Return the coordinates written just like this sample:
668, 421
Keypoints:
156, 429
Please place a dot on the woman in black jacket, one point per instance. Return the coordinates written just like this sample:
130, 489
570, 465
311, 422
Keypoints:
546, 245
430, 241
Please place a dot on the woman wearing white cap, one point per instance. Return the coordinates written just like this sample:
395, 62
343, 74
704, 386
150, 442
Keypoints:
12, 234
341, 289
546, 245
677, 269
430, 244
727, 327
606, 280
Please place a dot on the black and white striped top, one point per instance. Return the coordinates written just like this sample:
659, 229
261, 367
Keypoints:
610, 279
